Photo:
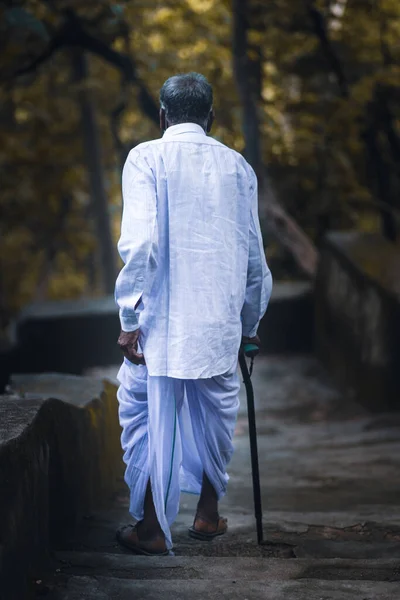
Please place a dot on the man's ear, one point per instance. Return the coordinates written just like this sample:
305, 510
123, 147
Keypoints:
163, 120
210, 120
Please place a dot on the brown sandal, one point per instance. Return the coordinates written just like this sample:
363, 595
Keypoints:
207, 536
135, 546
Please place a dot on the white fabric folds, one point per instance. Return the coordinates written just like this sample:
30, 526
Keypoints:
173, 430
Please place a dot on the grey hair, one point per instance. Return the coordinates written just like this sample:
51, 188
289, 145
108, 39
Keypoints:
187, 98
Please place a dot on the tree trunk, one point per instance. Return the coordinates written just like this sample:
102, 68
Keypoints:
98, 195
282, 226
241, 66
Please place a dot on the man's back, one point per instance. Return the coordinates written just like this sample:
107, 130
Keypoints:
195, 198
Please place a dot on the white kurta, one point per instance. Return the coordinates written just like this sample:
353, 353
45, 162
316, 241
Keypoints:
193, 253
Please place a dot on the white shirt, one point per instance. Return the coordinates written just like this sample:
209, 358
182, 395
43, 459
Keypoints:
195, 265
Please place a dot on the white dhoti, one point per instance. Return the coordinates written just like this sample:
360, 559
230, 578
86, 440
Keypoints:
173, 431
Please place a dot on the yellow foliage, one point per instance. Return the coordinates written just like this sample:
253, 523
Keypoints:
311, 135
156, 42
163, 15
200, 6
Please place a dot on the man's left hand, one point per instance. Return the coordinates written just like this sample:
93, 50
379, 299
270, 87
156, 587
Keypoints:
128, 342
251, 340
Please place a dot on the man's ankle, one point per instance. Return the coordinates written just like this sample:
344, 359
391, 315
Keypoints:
209, 513
149, 530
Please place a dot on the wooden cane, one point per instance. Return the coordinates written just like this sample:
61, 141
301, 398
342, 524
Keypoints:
250, 351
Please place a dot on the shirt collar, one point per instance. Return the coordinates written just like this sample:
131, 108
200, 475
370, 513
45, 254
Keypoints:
183, 128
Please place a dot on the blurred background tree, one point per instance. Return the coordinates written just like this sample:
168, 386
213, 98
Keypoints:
308, 90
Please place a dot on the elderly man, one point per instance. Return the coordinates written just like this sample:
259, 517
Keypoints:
195, 282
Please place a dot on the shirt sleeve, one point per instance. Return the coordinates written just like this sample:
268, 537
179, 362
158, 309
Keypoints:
137, 245
259, 278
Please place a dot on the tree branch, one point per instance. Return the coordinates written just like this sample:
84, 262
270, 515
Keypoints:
289, 234
72, 34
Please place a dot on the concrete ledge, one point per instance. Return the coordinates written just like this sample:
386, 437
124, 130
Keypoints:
59, 457
358, 316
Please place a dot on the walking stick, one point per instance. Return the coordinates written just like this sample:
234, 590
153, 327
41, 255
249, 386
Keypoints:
250, 351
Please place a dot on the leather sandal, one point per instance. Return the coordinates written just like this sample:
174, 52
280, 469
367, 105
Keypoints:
135, 545
207, 534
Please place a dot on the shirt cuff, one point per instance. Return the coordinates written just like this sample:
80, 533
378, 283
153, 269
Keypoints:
128, 322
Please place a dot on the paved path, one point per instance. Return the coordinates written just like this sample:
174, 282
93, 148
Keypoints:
331, 497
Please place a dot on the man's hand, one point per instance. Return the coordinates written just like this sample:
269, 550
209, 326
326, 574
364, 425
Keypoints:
128, 342
253, 340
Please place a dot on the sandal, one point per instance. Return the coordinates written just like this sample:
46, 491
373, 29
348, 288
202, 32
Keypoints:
206, 536
135, 546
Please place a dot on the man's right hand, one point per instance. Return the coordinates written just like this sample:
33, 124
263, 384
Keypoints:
128, 342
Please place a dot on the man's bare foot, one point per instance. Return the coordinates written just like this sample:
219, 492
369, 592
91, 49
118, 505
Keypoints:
207, 522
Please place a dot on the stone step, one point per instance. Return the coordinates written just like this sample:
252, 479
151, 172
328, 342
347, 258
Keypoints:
110, 588
128, 566
347, 550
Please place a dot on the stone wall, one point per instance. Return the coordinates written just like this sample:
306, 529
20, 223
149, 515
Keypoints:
60, 457
67, 336
358, 316
288, 325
